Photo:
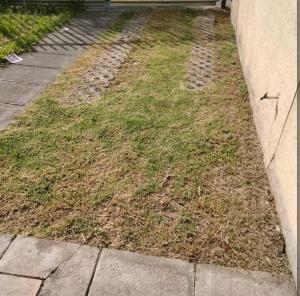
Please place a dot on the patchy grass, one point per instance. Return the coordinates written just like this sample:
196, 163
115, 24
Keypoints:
19, 30
151, 166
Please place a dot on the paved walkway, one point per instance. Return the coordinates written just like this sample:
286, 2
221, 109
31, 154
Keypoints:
30, 267
20, 83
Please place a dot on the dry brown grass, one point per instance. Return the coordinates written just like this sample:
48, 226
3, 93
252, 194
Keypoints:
150, 167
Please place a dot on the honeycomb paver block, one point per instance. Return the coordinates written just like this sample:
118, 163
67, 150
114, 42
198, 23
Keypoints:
201, 69
106, 66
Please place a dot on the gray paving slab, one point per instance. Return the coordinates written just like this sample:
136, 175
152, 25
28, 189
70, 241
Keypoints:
5, 240
28, 74
18, 93
219, 281
7, 113
62, 39
124, 273
89, 32
33, 257
73, 276
51, 60
81, 32
18, 286
59, 49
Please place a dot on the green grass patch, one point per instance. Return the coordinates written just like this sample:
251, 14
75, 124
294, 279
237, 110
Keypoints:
150, 166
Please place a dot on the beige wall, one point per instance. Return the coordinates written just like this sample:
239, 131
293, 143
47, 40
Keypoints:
266, 35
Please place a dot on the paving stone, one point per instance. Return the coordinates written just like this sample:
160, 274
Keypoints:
124, 273
19, 93
18, 286
7, 113
68, 38
5, 240
88, 31
59, 49
220, 281
52, 60
106, 66
28, 74
33, 257
73, 276
201, 66
81, 33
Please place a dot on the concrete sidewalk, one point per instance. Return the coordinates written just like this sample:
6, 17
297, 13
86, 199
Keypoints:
31, 267
21, 83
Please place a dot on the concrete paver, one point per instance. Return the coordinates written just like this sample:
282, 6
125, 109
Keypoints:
5, 240
219, 281
18, 286
124, 273
7, 113
73, 276
32, 257
81, 32
60, 49
18, 93
28, 74
70, 38
41, 59
57, 268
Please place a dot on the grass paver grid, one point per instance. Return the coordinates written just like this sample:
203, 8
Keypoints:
150, 166
107, 64
201, 65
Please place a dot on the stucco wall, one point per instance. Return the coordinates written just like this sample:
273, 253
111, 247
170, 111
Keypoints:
267, 40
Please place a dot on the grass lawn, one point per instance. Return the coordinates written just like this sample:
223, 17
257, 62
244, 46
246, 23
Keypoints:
21, 29
150, 166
